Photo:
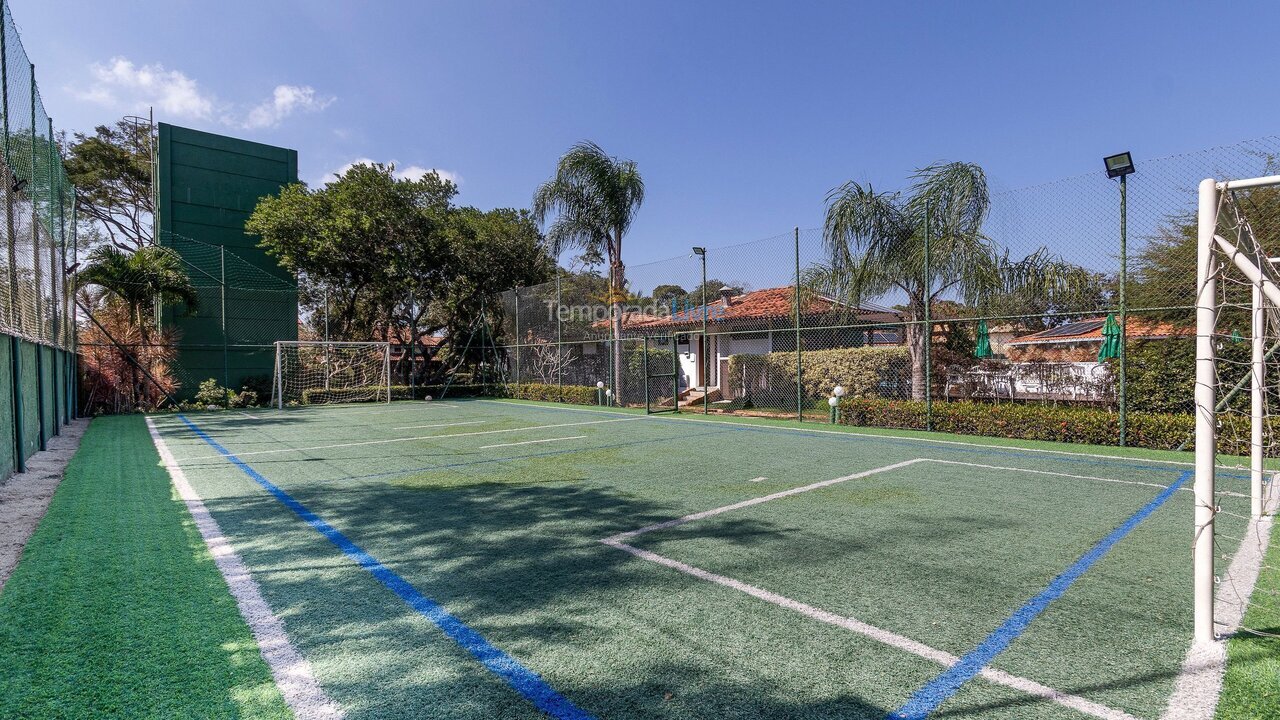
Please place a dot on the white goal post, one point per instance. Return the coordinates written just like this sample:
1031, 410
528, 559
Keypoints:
1236, 278
311, 372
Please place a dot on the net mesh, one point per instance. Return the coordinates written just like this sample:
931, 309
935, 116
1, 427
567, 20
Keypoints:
38, 207
1246, 344
316, 373
783, 326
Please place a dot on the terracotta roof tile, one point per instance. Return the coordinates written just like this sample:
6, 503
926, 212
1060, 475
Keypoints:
1135, 327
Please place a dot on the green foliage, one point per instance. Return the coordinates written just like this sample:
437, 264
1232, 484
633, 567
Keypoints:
863, 371
572, 394
211, 393
392, 257
594, 198
137, 278
1092, 426
111, 172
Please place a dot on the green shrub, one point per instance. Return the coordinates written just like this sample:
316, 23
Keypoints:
572, 394
1094, 426
863, 371
211, 393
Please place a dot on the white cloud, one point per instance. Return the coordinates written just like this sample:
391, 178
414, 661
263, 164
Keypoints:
123, 85
408, 172
284, 101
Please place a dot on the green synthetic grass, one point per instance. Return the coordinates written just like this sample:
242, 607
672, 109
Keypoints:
1251, 688
507, 539
117, 609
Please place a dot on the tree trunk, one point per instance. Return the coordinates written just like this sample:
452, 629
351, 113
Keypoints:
915, 348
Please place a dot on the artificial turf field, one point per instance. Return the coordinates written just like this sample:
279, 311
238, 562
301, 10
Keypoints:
479, 559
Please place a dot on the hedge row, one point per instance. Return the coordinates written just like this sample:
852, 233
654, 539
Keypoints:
574, 394
1095, 426
863, 371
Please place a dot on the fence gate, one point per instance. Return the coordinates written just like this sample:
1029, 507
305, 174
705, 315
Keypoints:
661, 375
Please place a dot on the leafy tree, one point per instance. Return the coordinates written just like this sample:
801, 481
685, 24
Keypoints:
139, 279
111, 171
875, 243
394, 259
594, 198
666, 293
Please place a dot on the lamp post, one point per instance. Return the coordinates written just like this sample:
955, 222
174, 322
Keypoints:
701, 252
599, 392
1121, 165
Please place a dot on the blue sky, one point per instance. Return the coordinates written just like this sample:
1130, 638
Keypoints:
741, 115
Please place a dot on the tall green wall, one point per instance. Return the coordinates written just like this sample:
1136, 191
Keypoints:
208, 186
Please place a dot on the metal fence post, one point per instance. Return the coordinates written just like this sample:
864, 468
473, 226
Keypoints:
54, 331
799, 358
516, 292
928, 328
1124, 315
559, 343
35, 213
226, 363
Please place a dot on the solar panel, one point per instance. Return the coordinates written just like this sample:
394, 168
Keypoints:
1074, 328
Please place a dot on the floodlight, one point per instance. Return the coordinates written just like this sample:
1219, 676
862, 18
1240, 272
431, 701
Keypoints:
1119, 165
838, 391
699, 251
833, 401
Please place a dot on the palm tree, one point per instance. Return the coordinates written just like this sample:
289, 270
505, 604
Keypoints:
139, 279
876, 241
594, 197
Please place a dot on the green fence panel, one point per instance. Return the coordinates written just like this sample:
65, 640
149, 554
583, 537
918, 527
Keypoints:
50, 399
8, 459
29, 385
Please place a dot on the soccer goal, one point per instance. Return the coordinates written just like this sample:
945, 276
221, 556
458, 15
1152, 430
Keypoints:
320, 372
1237, 382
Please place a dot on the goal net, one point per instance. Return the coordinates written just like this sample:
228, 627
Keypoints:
1237, 384
318, 372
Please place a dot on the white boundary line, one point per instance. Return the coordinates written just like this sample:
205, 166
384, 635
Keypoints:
887, 637
856, 433
427, 437
292, 673
1199, 684
452, 424
755, 501
532, 442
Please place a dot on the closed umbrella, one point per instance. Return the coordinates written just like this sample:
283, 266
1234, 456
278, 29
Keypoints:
1110, 339
983, 348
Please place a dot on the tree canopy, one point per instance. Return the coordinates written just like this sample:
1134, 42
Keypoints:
394, 258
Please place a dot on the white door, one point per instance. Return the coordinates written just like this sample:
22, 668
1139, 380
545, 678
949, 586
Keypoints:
686, 351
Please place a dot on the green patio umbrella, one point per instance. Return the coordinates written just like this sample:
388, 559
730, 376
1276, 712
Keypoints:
1110, 339
983, 348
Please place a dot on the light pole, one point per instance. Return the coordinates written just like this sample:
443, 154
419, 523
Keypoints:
701, 252
1121, 165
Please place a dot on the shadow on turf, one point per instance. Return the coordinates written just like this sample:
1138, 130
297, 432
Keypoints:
521, 565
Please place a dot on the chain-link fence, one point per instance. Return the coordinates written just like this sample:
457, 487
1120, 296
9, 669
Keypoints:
226, 331
36, 317
1075, 295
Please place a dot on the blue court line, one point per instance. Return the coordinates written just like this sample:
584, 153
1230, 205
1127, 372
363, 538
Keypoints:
521, 679
928, 698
